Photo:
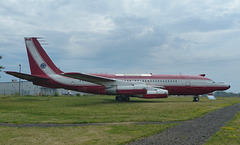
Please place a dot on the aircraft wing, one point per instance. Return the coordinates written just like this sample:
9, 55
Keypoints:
90, 78
25, 76
105, 81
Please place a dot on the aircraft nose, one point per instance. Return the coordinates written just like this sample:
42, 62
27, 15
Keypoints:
223, 86
227, 87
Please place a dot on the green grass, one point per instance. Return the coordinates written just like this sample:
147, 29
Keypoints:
113, 134
95, 109
229, 134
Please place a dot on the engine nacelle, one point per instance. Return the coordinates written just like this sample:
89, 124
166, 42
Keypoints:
127, 90
157, 93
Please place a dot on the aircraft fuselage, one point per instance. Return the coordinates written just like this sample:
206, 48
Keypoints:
175, 84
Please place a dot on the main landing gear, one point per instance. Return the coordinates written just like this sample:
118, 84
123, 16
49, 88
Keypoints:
196, 99
122, 98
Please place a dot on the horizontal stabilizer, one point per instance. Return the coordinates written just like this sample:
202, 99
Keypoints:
25, 76
89, 78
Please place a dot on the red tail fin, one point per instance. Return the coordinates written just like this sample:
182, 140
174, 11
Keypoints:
40, 63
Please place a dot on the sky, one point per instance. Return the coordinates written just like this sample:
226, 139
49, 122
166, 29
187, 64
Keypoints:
126, 36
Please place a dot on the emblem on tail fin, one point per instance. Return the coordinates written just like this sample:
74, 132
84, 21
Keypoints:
43, 65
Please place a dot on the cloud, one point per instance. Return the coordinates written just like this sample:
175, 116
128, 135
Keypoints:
133, 36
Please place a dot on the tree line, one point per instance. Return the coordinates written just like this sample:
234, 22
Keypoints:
226, 94
1, 67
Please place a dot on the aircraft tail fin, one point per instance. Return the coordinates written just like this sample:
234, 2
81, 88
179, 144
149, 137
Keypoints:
40, 63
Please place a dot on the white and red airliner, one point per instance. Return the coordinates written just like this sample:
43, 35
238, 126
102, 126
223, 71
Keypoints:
45, 73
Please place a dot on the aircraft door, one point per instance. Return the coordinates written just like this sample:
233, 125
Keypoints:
188, 83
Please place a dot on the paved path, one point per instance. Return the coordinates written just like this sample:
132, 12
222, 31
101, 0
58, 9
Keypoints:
80, 124
193, 132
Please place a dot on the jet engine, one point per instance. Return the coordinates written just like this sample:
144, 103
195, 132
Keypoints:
127, 90
156, 93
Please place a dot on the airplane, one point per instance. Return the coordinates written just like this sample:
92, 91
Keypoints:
45, 73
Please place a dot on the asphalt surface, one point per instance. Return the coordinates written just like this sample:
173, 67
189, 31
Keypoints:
193, 132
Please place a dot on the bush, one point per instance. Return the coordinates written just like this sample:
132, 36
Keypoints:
56, 94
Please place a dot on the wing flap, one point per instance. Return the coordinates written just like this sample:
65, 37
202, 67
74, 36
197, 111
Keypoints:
158, 87
25, 76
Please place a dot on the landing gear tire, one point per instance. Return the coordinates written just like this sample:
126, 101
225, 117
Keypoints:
126, 99
122, 98
119, 98
196, 99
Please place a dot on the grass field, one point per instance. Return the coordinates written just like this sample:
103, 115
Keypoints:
95, 109
102, 135
229, 134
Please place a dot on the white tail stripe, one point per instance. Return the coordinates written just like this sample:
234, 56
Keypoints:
37, 57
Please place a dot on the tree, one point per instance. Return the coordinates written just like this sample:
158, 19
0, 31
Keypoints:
1, 67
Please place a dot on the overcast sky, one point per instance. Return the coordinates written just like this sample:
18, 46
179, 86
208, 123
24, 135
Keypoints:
126, 36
